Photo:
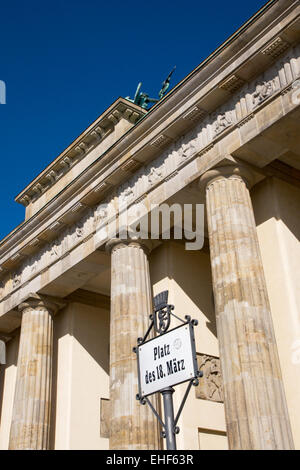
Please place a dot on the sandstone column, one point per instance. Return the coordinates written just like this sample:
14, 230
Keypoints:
133, 426
31, 408
255, 406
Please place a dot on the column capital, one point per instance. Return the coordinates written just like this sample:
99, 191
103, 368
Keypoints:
117, 243
33, 301
228, 170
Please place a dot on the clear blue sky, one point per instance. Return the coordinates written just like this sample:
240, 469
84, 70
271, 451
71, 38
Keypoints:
65, 61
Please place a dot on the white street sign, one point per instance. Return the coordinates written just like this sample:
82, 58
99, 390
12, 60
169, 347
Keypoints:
167, 360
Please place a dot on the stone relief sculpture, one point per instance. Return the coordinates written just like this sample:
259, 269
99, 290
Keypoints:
79, 230
188, 149
262, 91
155, 175
126, 196
16, 280
54, 249
211, 386
84, 225
223, 121
101, 213
29, 267
34, 266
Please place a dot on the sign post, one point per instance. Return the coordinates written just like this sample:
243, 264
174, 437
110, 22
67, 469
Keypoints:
169, 417
166, 360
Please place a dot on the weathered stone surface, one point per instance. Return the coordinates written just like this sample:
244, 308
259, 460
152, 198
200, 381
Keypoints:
104, 418
133, 426
31, 410
211, 385
255, 406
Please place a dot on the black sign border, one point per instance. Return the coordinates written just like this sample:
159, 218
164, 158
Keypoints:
194, 354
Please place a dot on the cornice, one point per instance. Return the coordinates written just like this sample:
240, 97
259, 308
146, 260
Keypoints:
91, 137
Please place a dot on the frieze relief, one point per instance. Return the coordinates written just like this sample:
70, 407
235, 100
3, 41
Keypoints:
16, 280
262, 91
79, 231
155, 175
83, 227
127, 192
188, 147
179, 152
101, 214
210, 385
223, 121
155, 172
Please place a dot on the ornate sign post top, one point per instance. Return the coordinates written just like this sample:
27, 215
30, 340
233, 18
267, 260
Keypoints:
166, 360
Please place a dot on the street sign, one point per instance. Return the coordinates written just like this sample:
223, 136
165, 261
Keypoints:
167, 360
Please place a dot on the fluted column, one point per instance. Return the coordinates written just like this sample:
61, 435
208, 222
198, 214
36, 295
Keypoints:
255, 405
133, 426
31, 408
